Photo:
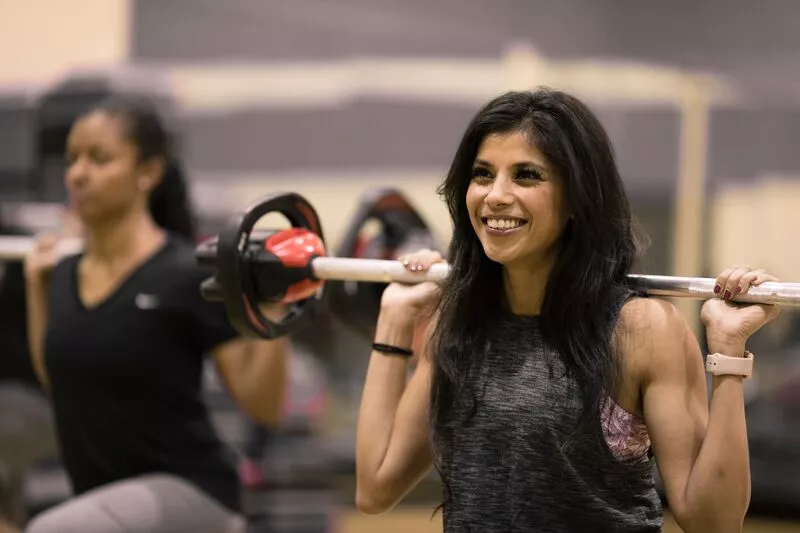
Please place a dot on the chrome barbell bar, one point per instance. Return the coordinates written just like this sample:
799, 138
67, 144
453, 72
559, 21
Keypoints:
15, 248
386, 271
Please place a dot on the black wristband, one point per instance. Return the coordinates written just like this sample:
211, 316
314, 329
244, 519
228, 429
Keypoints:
391, 350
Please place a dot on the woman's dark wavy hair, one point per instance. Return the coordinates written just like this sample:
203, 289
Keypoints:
169, 202
596, 252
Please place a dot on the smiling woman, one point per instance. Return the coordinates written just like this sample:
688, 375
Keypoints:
547, 388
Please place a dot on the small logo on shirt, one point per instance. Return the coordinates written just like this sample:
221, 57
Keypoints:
147, 301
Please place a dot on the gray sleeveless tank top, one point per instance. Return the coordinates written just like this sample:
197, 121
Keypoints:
509, 468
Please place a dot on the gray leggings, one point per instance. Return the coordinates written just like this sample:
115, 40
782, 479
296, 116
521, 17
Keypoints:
27, 436
148, 504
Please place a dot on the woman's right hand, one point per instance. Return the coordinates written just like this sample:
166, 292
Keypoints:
46, 251
41, 260
413, 301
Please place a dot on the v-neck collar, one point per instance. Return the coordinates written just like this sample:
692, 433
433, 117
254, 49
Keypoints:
121, 286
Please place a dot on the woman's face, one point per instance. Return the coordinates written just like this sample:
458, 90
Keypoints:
103, 177
515, 201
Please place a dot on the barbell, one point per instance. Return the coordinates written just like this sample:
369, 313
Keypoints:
252, 268
16, 247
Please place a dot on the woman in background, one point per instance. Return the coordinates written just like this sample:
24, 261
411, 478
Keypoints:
118, 336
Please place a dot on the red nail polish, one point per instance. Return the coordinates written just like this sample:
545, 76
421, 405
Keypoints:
717, 288
737, 290
727, 295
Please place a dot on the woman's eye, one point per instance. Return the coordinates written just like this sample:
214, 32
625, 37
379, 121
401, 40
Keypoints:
100, 158
480, 173
526, 174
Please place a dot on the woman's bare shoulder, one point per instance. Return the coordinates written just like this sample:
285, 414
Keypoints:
648, 326
643, 316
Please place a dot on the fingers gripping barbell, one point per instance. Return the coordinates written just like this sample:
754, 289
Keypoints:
16, 247
253, 268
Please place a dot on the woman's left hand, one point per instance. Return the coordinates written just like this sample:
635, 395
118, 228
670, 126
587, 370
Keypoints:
275, 311
729, 324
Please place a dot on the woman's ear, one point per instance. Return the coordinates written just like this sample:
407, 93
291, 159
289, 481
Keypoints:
151, 174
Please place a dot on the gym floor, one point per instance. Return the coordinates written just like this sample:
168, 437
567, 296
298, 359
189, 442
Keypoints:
419, 520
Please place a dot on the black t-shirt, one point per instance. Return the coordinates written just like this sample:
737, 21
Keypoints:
125, 376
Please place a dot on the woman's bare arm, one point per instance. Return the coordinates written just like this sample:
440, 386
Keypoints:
392, 449
36, 302
701, 452
255, 373
39, 265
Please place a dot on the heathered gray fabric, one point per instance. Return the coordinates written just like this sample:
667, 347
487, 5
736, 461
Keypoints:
509, 469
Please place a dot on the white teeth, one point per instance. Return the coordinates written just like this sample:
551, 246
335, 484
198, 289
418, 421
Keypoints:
503, 223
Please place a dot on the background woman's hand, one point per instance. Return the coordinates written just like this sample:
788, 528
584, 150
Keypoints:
44, 256
46, 251
730, 324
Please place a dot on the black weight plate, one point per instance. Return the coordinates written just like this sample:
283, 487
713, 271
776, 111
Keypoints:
235, 274
401, 229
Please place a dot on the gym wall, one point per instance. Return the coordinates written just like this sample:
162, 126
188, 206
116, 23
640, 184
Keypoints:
331, 98
757, 224
42, 39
